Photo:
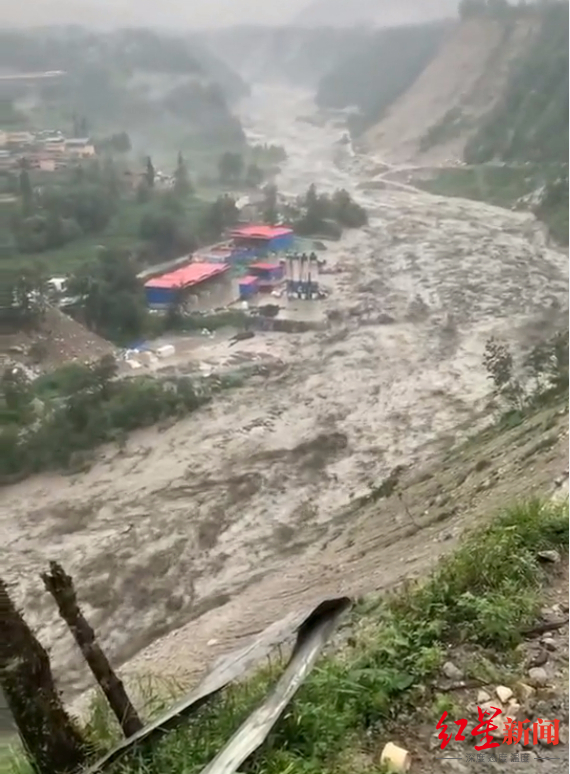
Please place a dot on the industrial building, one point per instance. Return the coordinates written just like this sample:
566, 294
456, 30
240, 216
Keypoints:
248, 287
262, 278
302, 276
261, 239
164, 290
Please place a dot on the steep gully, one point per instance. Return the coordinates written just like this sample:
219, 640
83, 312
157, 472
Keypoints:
208, 530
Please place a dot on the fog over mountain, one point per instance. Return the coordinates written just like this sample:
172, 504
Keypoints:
167, 14
383, 13
220, 13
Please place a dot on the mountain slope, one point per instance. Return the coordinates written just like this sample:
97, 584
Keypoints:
292, 54
382, 13
134, 80
530, 122
373, 77
459, 86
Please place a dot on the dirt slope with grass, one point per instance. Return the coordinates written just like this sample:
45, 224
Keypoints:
433, 120
58, 340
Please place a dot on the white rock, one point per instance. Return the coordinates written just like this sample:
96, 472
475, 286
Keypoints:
549, 556
549, 643
538, 677
503, 693
482, 697
396, 758
524, 691
451, 671
513, 709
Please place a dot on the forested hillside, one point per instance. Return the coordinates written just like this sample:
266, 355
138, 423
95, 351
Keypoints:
160, 87
530, 122
372, 78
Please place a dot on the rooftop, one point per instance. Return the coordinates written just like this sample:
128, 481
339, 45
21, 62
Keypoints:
189, 275
261, 232
263, 266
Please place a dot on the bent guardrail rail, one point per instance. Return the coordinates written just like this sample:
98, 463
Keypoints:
313, 630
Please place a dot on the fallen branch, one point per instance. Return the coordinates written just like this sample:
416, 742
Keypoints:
60, 586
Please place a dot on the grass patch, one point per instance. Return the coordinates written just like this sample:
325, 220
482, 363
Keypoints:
481, 598
501, 186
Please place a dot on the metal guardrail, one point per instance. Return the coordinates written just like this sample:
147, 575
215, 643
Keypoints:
313, 630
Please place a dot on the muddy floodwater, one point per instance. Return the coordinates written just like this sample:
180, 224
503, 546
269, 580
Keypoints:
219, 523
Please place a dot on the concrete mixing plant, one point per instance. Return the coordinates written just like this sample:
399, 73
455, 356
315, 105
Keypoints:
302, 275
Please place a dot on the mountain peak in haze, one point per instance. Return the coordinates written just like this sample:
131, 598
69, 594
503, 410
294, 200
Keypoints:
381, 13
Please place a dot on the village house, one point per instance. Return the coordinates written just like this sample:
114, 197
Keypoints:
18, 139
7, 160
55, 145
80, 147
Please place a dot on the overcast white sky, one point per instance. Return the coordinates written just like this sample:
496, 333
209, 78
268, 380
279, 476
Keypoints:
190, 13
185, 14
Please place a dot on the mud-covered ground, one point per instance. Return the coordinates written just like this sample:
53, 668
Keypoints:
189, 518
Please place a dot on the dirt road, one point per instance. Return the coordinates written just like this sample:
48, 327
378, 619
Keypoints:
236, 504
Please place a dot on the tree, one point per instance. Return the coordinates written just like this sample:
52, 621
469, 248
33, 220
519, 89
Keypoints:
16, 391
346, 211
26, 191
498, 361
253, 176
221, 214
270, 210
149, 173
29, 294
90, 204
111, 296
230, 167
547, 364
165, 229
470, 8
182, 184
120, 142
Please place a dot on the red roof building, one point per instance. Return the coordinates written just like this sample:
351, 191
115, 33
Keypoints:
261, 232
187, 276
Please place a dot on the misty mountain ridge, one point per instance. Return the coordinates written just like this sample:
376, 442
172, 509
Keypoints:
164, 90
381, 13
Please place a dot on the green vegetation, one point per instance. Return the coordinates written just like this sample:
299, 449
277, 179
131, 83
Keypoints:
108, 296
530, 123
374, 76
452, 125
540, 378
53, 421
511, 187
322, 215
59, 223
164, 90
386, 671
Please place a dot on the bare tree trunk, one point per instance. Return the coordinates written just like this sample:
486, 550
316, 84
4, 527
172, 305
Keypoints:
51, 740
60, 586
